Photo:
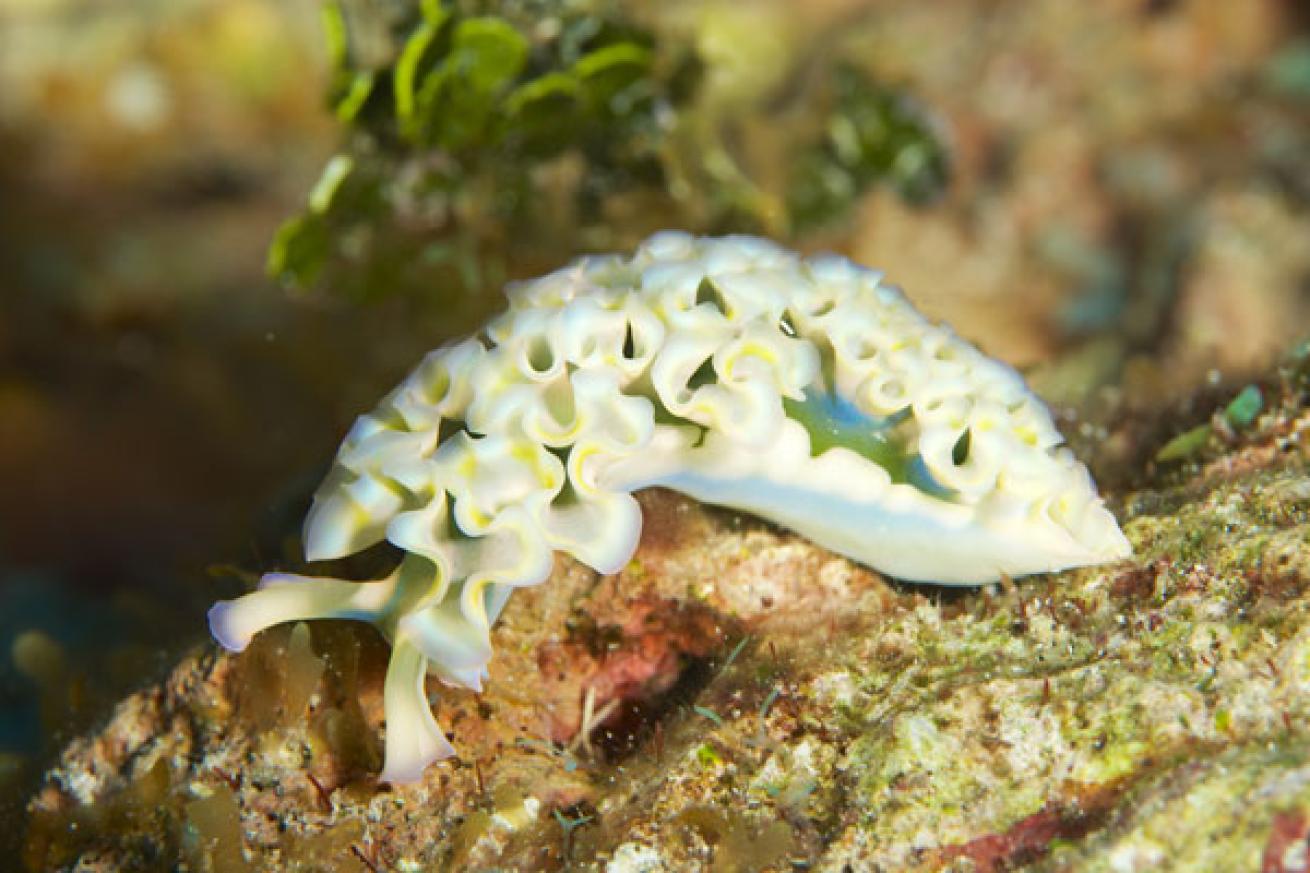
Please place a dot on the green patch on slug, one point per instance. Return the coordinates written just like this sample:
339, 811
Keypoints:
833, 421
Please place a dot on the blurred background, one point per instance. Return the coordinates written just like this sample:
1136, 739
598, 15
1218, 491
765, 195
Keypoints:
228, 226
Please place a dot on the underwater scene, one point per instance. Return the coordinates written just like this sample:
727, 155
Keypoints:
595, 435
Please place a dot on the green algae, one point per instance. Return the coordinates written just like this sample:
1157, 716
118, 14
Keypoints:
1210, 812
145, 807
1186, 444
740, 844
708, 757
1239, 413
1243, 408
486, 138
332, 849
213, 837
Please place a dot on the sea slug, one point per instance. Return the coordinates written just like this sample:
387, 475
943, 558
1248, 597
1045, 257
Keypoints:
804, 390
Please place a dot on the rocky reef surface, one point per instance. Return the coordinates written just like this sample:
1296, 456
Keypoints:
1125, 219
737, 699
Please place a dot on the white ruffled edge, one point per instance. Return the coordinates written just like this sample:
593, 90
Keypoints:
490, 457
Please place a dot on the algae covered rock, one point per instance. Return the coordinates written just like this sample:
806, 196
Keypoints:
738, 699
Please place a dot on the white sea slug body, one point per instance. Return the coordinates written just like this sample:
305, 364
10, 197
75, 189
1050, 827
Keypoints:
802, 390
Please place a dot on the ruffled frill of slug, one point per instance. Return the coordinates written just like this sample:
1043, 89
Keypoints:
804, 390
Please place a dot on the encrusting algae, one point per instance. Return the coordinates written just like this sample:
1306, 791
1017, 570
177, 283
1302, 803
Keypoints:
804, 390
